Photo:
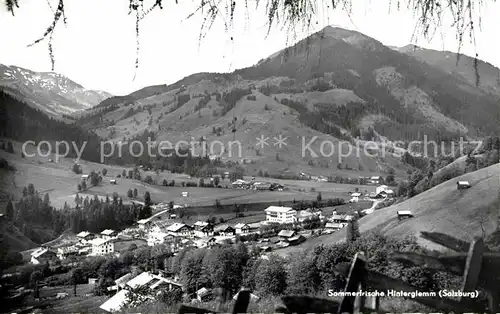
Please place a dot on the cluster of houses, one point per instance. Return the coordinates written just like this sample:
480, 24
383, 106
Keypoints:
257, 185
382, 191
88, 244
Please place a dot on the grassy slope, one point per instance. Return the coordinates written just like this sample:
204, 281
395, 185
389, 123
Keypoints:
60, 182
443, 208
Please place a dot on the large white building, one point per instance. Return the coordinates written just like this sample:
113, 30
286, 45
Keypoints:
280, 214
102, 246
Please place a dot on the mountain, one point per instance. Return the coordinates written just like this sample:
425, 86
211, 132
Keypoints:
489, 75
413, 96
336, 84
50, 92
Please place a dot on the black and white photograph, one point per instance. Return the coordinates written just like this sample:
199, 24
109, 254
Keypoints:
265, 156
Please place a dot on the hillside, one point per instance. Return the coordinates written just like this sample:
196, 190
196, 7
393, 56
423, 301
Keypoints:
415, 96
50, 92
336, 84
489, 75
15, 240
460, 213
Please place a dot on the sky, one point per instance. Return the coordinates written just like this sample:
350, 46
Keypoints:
97, 47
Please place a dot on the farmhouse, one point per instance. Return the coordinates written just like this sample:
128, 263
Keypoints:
85, 177
102, 247
42, 255
240, 184
65, 252
108, 234
333, 226
286, 234
261, 186
276, 187
203, 229
155, 238
381, 188
309, 214
85, 237
463, 185
341, 219
242, 228
375, 180
149, 222
403, 214
280, 214
112, 181
296, 239
355, 197
180, 230
224, 230
185, 194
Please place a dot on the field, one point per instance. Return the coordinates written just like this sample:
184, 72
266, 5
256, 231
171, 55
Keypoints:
57, 179
461, 213
71, 304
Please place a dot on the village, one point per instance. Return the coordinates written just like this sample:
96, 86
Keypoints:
283, 226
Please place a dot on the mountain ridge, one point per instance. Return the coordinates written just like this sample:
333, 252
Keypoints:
51, 92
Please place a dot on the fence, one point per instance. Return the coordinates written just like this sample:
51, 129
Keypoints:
480, 269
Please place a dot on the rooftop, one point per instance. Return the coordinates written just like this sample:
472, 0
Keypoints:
83, 234
240, 225
107, 232
279, 209
176, 227
140, 280
99, 241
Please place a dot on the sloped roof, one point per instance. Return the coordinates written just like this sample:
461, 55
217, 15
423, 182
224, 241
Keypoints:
108, 232
116, 302
279, 209
201, 223
40, 252
333, 225
140, 280
286, 233
123, 279
222, 227
83, 234
176, 227
241, 225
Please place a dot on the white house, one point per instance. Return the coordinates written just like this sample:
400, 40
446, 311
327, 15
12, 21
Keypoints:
102, 246
381, 188
85, 237
342, 220
85, 177
355, 197
203, 229
42, 255
155, 238
281, 214
64, 252
242, 228
112, 181
180, 229
463, 185
108, 234
375, 179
